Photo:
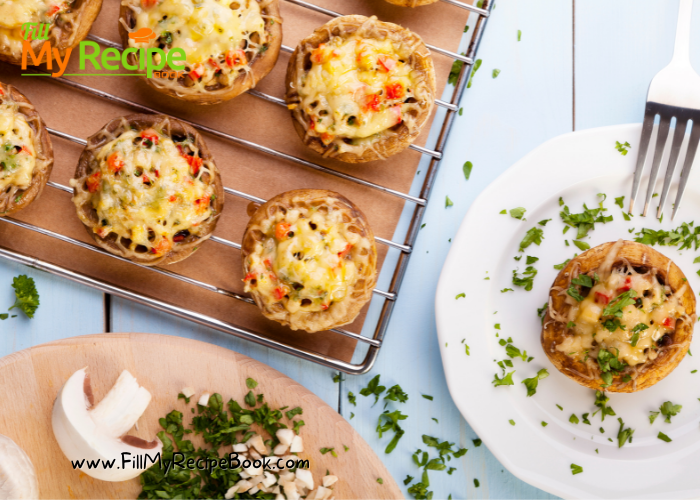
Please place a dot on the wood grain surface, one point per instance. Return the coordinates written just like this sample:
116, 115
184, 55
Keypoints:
31, 379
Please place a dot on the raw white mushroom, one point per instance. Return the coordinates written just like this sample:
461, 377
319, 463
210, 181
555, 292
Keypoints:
99, 433
17, 474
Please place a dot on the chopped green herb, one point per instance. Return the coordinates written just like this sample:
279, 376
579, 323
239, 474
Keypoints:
576, 469
467, 169
582, 245
527, 280
664, 437
544, 424
623, 148
352, 399
573, 419
520, 33
27, 297
511, 421
250, 383
373, 389
586, 220
517, 213
534, 235
495, 73
460, 296
623, 435
426, 396
531, 383
448, 202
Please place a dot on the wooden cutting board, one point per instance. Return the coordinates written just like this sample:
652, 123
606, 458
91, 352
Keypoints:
31, 379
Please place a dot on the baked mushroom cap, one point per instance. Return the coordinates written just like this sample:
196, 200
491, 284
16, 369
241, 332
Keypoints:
640, 310
360, 89
18, 114
246, 56
69, 23
146, 188
411, 3
309, 259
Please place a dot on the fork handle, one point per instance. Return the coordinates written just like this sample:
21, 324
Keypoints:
681, 49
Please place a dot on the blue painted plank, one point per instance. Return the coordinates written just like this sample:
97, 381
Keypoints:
529, 102
620, 46
66, 310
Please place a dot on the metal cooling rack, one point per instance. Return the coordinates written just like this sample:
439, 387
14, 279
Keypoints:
375, 342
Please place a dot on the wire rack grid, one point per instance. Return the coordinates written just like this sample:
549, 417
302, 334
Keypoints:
373, 343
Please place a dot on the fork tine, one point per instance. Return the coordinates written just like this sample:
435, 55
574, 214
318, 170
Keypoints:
672, 161
685, 173
648, 125
661, 138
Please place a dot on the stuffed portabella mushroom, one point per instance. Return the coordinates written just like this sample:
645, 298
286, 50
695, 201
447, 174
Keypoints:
360, 89
620, 317
26, 155
309, 259
230, 45
146, 188
64, 23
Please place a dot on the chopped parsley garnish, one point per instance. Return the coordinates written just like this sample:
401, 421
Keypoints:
395, 393
328, 450
614, 308
544, 424
623, 148
582, 245
620, 201
527, 280
507, 290
542, 311
573, 419
511, 421
476, 481
495, 73
477, 442
477, 65
352, 399
454, 71
531, 260
520, 34
609, 365
586, 220
389, 421
380, 480
576, 469
623, 435
460, 296
668, 410
26, 295
426, 396
506, 380
613, 324
517, 213
250, 383
534, 235
664, 437
448, 202
684, 236
531, 383
373, 389
640, 327
601, 401
560, 408
561, 266
337, 378
467, 169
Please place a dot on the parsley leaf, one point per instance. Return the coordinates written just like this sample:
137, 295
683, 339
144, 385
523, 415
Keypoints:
640, 327
506, 380
467, 168
27, 297
395, 393
669, 410
527, 280
534, 235
664, 437
517, 213
531, 383
623, 148
586, 220
601, 401
623, 435
614, 308
576, 469
448, 202
373, 388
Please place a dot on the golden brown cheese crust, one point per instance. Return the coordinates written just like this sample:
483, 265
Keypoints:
67, 30
389, 142
89, 165
13, 199
260, 63
304, 202
643, 375
411, 3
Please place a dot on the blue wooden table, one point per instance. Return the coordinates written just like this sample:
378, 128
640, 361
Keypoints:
578, 64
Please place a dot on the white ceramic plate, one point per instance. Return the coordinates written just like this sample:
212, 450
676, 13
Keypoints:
576, 167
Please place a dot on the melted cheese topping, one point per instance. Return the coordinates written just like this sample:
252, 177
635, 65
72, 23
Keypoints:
17, 154
305, 262
215, 34
657, 308
355, 89
15, 13
145, 191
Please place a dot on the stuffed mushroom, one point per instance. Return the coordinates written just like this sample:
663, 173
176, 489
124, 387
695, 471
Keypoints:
620, 317
309, 259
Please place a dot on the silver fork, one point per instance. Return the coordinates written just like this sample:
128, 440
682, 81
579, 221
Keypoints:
673, 93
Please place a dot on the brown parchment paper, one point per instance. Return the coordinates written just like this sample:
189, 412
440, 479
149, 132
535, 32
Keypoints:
246, 116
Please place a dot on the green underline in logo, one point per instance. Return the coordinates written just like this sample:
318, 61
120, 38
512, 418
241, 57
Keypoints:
83, 74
